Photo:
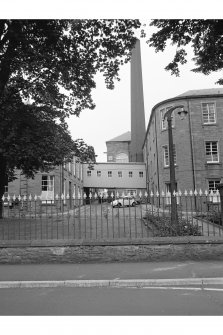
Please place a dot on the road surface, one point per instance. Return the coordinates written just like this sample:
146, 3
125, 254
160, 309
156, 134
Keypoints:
175, 300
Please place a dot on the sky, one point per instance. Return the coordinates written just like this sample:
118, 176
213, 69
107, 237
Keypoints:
111, 116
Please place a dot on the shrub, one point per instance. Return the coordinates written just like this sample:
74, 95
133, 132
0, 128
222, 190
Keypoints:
164, 227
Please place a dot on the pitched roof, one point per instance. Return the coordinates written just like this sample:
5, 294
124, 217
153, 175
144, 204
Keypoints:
126, 137
207, 91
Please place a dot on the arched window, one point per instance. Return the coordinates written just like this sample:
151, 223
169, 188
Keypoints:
122, 158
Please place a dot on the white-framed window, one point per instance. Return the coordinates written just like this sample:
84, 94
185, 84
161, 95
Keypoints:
47, 188
120, 174
130, 174
164, 121
140, 174
208, 112
211, 151
212, 188
69, 166
166, 159
89, 173
109, 173
110, 157
98, 173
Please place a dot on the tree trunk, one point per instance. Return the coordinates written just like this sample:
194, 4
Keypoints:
3, 182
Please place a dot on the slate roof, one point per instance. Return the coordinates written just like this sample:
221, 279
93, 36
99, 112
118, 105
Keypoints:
126, 137
207, 91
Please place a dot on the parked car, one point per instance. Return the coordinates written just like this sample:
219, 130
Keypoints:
125, 201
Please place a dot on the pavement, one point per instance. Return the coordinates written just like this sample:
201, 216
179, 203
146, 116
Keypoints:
202, 275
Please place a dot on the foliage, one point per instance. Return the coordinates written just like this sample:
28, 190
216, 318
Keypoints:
204, 36
32, 140
38, 57
51, 64
163, 226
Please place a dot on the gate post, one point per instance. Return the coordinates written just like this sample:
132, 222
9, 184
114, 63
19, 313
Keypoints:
220, 188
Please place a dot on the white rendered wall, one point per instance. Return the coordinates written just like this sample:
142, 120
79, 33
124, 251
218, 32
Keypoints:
115, 181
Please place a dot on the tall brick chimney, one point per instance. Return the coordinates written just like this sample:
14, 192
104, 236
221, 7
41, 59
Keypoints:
138, 128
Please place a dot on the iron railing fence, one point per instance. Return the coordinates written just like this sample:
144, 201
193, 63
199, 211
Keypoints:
93, 218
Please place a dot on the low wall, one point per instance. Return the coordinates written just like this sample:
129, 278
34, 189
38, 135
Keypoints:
152, 250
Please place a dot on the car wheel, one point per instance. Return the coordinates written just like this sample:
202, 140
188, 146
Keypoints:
133, 204
119, 204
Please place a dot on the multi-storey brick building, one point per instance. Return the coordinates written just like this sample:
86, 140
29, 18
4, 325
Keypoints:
198, 142
66, 180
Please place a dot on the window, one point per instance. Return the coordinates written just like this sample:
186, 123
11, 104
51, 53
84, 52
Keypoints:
47, 188
166, 155
47, 183
164, 122
213, 184
140, 174
98, 173
110, 158
69, 166
208, 112
109, 173
130, 174
212, 188
120, 174
211, 148
89, 173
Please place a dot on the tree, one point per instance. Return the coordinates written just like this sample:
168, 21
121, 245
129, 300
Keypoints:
204, 36
52, 64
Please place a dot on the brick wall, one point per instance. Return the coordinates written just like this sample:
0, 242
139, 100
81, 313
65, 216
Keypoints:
189, 136
179, 249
